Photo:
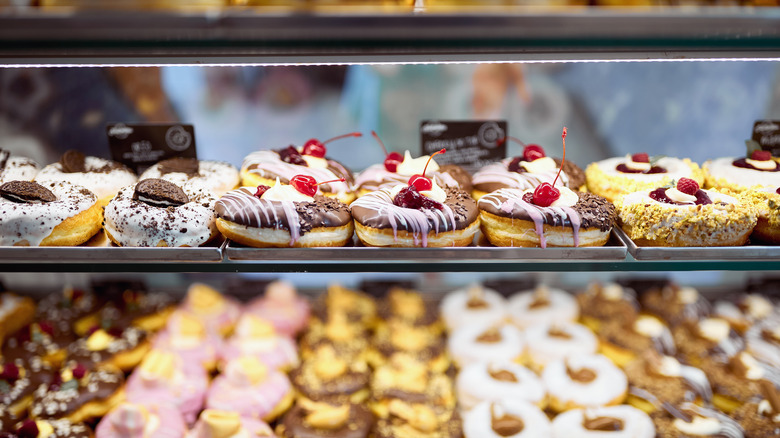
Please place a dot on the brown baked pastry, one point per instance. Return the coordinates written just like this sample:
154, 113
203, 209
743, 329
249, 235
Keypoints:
408, 307
410, 381
355, 305
709, 340
688, 420
739, 381
15, 312
675, 304
761, 418
602, 303
425, 345
325, 377
348, 340
623, 342
323, 420
745, 310
655, 380
40, 341
146, 311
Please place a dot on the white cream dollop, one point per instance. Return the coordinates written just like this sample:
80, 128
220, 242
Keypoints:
765, 408
714, 329
754, 369
670, 367
415, 166
436, 193
567, 199
284, 192
678, 196
763, 165
315, 162
636, 165
649, 326
758, 307
687, 295
540, 165
698, 426
612, 291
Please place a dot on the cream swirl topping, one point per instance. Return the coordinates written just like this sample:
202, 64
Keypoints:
414, 166
540, 165
285, 192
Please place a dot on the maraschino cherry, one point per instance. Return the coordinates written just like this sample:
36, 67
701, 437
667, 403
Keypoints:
531, 152
422, 182
545, 193
393, 159
308, 185
316, 148
641, 157
761, 155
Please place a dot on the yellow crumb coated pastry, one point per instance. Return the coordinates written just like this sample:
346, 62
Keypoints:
604, 179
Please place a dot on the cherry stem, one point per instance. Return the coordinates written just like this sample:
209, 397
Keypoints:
379, 140
431, 158
351, 134
563, 160
333, 180
514, 139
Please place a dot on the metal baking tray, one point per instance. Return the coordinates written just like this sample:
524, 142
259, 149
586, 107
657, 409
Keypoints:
615, 249
100, 250
699, 253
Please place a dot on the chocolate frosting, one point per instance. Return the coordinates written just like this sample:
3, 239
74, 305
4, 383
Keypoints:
128, 340
594, 211
574, 172
190, 166
331, 390
459, 174
360, 422
242, 207
61, 401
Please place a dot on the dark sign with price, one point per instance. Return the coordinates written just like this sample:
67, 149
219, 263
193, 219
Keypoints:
139, 145
767, 134
470, 144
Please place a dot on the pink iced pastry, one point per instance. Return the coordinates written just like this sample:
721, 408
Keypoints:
250, 389
282, 306
187, 337
257, 338
130, 420
222, 424
216, 311
161, 378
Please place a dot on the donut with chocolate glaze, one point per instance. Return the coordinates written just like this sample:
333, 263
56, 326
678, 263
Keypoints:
380, 222
50, 429
52, 214
102, 177
499, 176
19, 381
293, 221
215, 176
16, 168
509, 219
321, 420
78, 394
156, 212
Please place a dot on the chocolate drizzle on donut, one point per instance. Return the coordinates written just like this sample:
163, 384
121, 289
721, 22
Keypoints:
189, 166
160, 193
604, 424
73, 161
26, 192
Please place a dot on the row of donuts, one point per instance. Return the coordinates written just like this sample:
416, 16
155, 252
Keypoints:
677, 362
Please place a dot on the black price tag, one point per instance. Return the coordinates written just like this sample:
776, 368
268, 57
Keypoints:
139, 145
767, 134
470, 144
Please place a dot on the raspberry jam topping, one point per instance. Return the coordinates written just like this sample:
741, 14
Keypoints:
757, 156
393, 159
640, 157
261, 189
545, 193
410, 197
291, 155
684, 185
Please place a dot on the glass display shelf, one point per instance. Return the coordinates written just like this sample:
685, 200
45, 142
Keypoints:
30, 36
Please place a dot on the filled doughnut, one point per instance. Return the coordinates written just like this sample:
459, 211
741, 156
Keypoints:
584, 381
187, 337
284, 216
420, 420
264, 167
156, 212
685, 215
740, 174
16, 168
505, 418
53, 214
325, 377
102, 177
219, 313
655, 380
689, 419
215, 176
113, 347
614, 177
608, 422
257, 338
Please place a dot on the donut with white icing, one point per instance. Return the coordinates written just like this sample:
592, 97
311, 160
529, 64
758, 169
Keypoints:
507, 417
547, 343
102, 177
217, 177
614, 177
584, 381
485, 343
51, 214
542, 305
16, 168
132, 220
142, 420
380, 220
603, 422
474, 305
281, 216
671, 217
497, 380
511, 218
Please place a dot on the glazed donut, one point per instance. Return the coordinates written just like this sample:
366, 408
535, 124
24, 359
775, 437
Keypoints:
102, 177
741, 174
497, 380
610, 422
511, 218
764, 201
142, 420
215, 176
281, 216
542, 305
380, 176
54, 214
485, 343
214, 423
673, 217
474, 305
379, 221
156, 212
264, 167
218, 313
584, 381
506, 418
547, 343
16, 168
614, 177
51, 429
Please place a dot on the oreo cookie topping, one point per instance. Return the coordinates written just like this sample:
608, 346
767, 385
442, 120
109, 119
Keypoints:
160, 193
26, 192
190, 166
73, 161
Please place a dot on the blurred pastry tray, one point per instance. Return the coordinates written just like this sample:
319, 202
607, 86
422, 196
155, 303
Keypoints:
100, 250
615, 249
723, 253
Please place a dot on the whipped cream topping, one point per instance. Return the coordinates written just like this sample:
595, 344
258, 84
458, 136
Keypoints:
763, 165
649, 326
698, 426
415, 166
754, 370
687, 295
612, 291
758, 307
315, 162
636, 165
678, 196
670, 367
765, 408
540, 165
714, 329
285, 192
267, 164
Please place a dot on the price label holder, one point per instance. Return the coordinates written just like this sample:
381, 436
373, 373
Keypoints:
470, 144
767, 134
140, 145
